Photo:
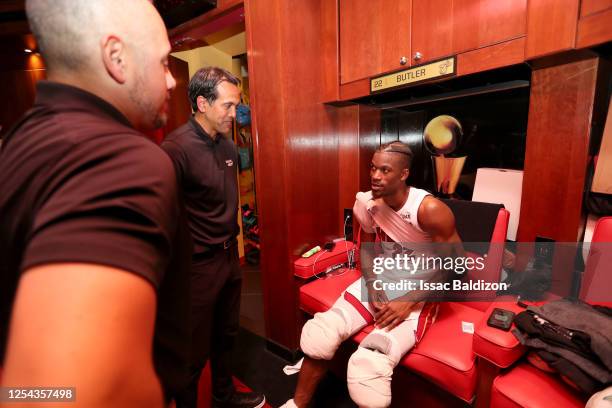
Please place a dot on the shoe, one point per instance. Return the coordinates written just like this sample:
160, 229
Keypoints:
289, 404
241, 400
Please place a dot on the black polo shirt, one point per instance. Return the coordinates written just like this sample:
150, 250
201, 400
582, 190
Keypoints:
206, 170
79, 184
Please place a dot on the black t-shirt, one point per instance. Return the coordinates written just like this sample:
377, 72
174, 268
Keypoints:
206, 170
79, 184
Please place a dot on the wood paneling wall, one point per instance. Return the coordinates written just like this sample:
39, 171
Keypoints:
602, 179
348, 159
359, 134
18, 74
179, 106
296, 146
369, 140
558, 132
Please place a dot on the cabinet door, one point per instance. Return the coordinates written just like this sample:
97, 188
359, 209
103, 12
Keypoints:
588, 7
445, 27
374, 36
551, 26
480, 23
432, 30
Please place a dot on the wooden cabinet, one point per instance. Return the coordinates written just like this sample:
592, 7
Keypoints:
374, 36
432, 29
480, 23
589, 7
551, 26
561, 107
594, 26
445, 27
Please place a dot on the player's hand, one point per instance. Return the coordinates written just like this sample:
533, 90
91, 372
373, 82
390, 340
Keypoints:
392, 314
377, 298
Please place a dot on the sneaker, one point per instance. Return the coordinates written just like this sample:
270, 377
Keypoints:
241, 400
289, 404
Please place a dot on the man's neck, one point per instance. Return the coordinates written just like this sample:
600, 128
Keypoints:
206, 126
397, 200
91, 84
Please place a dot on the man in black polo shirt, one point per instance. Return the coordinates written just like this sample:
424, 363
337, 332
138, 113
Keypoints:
93, 278
206, 160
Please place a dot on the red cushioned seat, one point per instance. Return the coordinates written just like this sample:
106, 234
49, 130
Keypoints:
320, 294
443, 356
529, 387
497, 346
596, 281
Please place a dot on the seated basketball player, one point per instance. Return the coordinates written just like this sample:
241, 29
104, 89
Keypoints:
391, 213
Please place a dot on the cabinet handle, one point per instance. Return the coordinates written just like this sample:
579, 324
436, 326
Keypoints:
417, 56
403, 61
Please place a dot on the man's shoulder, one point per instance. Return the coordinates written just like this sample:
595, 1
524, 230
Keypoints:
60, 145
431, 206
148, 153
129, 155
434, 215
91, 135
178, 140
122, 142
181, 134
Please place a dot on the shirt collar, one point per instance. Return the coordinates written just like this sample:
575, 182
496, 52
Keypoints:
202, 133
70, 98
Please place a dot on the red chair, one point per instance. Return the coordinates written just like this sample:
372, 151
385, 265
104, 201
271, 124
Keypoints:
525, 385
441, 370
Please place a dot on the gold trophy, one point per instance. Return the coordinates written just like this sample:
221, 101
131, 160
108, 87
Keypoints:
442, 136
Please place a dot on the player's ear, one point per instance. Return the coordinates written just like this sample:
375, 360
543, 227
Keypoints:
405, 173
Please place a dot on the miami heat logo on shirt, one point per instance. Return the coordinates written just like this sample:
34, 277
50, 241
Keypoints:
405, 215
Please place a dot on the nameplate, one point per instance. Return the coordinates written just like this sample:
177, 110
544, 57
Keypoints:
422, 73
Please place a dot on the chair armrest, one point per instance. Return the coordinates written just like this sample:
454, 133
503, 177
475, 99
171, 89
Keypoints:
499, 347
317, 264
501, 226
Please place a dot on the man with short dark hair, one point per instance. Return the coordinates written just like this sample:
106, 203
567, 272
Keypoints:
205, 159
394, 215
91, 279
